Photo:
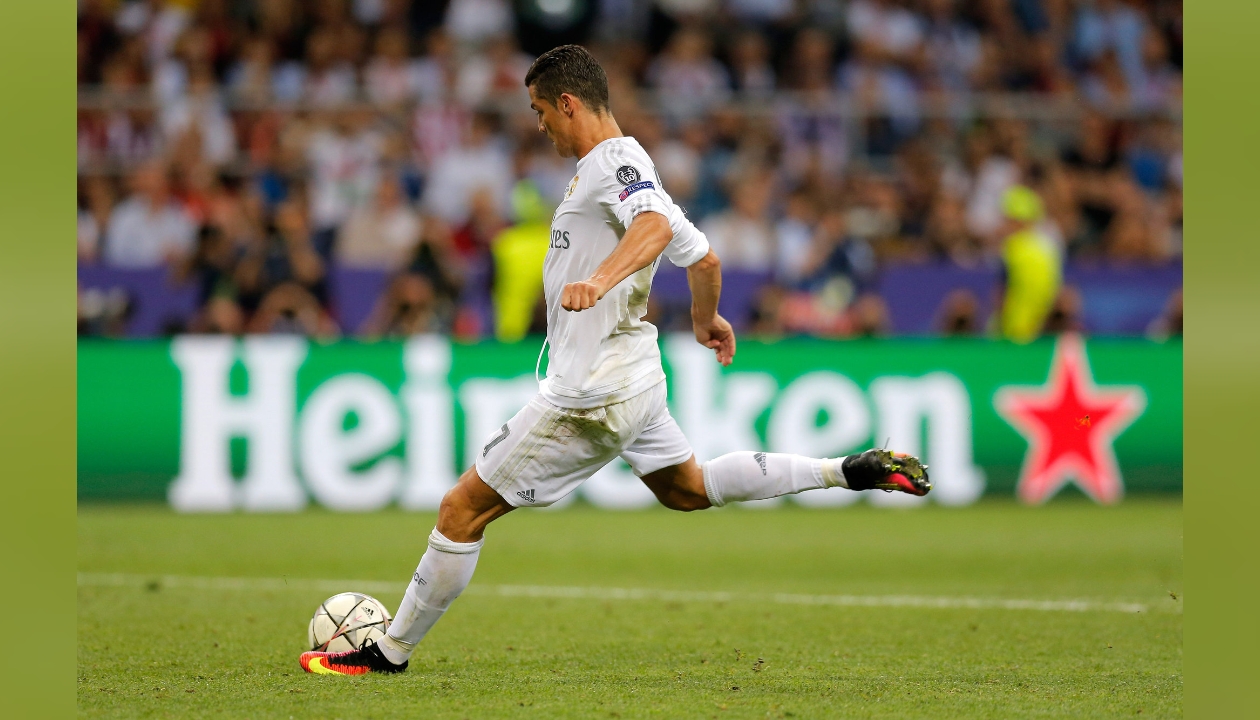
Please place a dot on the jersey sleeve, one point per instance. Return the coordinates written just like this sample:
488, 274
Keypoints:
689, 245
629, 186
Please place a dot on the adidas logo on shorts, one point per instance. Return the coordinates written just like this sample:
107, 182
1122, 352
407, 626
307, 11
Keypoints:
526, 495
760, 457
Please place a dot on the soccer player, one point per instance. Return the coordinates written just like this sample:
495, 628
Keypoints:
604, 394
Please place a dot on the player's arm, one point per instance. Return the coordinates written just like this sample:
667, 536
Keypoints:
643, 242
712, 330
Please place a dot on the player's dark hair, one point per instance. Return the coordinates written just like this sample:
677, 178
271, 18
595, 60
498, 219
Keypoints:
569, 69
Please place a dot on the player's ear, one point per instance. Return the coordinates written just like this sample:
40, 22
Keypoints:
568, 104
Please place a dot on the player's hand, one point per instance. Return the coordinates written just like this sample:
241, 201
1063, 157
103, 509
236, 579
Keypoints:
718, 336
580, 296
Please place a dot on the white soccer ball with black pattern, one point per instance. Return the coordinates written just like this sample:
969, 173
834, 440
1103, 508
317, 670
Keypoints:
347, 621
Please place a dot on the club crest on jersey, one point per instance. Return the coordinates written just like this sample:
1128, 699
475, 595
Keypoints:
632, 189
627, 175
572, 187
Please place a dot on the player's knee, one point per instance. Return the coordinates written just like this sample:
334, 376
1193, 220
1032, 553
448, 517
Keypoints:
455, 513
680, 487
684, 500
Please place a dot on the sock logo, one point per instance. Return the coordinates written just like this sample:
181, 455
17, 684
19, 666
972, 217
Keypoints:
419, 579
503, 433
760, 457
526, 495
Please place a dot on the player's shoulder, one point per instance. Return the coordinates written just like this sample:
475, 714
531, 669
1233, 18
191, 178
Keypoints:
624, 159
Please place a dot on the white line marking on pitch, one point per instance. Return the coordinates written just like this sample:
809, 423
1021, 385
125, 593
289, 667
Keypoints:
592, 593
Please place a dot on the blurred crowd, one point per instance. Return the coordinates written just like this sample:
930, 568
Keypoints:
252, 148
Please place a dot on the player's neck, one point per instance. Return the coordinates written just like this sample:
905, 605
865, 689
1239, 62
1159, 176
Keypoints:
593, 130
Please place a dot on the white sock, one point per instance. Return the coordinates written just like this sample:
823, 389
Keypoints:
442, 575
740, 476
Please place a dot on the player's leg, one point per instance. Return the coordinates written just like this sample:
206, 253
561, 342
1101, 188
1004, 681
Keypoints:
743, 476
447, 565
445, 570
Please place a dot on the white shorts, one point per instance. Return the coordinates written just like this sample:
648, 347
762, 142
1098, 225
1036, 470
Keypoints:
544, 452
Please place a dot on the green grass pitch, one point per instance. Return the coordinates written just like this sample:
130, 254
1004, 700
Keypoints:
196, 647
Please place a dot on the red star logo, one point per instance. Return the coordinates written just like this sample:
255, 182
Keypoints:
1070, 424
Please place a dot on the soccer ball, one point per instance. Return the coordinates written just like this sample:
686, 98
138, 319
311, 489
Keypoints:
347, 621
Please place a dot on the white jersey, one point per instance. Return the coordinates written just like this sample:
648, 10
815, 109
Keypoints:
608, 353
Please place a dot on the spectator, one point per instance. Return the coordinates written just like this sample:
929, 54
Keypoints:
435, 260
291, 309
1065, 314
1032, 264
406, 309
947, 235
888, 47
814, 136
382, 234
743, 235
96, 203
283, 254
212, 266
156, 23
254, 78
686, 75
472, 239
1091, 163
840, 263
121, 135
1111, 26
171, 75
494, 75
752, 76
998, 171
201, 110
1104, 84
518, 253
481, 162
1161, 81
434, 73
344, 158
1130, 236
960, 314
330, 79
389, 77
220, 316
149, 228
793, 236
869, 317
951, 47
